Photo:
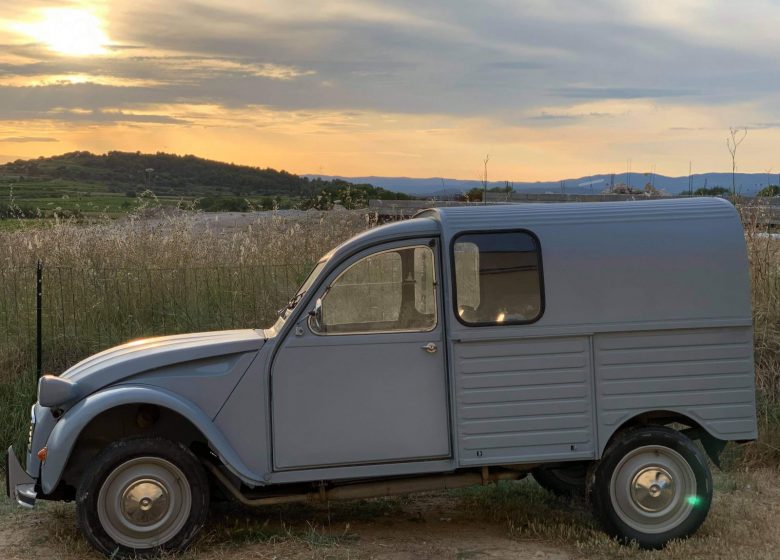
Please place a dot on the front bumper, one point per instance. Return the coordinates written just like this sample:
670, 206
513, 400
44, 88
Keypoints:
18, 484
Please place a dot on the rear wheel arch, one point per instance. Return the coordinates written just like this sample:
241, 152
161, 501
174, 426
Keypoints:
688, 425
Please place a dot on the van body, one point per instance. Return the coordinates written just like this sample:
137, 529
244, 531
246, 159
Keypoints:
586, 343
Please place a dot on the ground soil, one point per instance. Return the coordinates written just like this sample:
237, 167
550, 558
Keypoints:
517, 521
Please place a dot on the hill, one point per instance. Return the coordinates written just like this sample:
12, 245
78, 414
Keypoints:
165, 174
109, 183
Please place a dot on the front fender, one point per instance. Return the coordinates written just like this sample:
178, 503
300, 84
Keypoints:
65, 433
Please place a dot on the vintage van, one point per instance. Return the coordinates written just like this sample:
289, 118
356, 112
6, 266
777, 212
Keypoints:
589, 344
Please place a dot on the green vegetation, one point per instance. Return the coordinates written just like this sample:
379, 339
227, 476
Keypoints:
771, 190
714, 191
81, 184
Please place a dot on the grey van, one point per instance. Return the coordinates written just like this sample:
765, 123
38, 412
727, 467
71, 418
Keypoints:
590, 345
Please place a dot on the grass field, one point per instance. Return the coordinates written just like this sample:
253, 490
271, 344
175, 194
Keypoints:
58, 197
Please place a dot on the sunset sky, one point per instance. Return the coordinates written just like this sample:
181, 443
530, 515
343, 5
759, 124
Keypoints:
550, 89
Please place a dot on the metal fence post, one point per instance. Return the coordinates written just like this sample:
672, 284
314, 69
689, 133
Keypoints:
39, 318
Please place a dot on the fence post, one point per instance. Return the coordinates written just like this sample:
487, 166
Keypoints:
39, 318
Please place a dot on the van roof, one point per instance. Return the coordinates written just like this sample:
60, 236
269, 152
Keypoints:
508, 216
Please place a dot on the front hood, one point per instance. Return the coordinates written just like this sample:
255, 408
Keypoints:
121, 362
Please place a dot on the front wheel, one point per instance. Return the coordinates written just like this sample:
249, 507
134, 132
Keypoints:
651, 486
142, 497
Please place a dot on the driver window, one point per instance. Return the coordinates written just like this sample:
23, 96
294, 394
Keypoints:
391, 291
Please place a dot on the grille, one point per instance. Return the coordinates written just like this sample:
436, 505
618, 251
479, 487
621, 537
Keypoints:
32, 428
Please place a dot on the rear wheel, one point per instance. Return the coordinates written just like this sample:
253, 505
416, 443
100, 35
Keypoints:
566, 480
651, 486
142, 497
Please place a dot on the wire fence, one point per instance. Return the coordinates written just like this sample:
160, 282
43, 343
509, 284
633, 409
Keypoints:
81, 311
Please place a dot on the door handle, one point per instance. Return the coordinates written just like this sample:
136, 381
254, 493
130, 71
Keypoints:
430, 348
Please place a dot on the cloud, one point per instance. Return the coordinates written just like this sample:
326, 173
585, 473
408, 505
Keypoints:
498, 69
763, 125
579, 92
110, 116
87, 116
28, 139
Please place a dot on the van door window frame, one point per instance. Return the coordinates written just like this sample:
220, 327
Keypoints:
436, 292
542, 300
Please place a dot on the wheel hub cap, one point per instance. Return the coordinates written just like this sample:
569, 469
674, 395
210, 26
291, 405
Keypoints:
653, 488
145, 502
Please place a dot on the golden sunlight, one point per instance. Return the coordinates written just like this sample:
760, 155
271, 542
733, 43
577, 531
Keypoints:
68, 31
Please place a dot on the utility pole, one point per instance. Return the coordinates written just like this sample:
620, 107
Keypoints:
485, 179
628, 174
690, 179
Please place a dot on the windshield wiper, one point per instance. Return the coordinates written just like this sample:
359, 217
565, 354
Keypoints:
291, 304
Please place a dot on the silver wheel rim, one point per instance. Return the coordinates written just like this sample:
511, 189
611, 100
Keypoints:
653, 489
144, 502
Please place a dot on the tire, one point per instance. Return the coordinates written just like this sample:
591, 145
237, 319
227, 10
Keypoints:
142, 497
566, 481
651, 486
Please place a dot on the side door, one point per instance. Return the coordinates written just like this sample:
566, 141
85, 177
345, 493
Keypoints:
363, 379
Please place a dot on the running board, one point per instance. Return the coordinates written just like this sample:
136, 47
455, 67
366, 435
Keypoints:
363, 490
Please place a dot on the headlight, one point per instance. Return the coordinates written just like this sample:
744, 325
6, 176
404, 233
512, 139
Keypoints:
55, 391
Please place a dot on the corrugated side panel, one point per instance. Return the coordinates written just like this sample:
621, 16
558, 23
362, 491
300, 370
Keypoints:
524, 400
706, 374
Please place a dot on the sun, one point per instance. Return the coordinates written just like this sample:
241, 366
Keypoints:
68, 31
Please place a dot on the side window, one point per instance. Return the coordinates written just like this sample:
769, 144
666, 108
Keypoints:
497, 278
389, 291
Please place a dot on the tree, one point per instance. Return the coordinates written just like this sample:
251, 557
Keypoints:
769, 190
474, 195
484, 177
714, 191
732, 143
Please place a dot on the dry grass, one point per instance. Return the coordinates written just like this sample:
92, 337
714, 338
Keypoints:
764, 255
112, 281
509, 520
182, 240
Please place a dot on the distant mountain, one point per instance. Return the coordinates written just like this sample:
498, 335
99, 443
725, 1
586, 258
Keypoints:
748, 184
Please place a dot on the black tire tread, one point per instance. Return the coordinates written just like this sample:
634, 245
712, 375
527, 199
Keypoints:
111, 457
599, 484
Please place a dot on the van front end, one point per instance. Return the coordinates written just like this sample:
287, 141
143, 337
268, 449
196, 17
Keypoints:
22, 483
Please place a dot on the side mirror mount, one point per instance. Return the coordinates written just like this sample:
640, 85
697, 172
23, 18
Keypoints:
315, 315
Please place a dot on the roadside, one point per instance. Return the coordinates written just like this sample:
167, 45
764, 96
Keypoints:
512, 520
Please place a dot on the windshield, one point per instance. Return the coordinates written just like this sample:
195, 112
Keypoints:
310, 279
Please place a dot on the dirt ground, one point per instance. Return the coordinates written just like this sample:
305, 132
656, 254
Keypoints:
517, 521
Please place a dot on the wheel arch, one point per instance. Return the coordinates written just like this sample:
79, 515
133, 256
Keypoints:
117, 401
694, 429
